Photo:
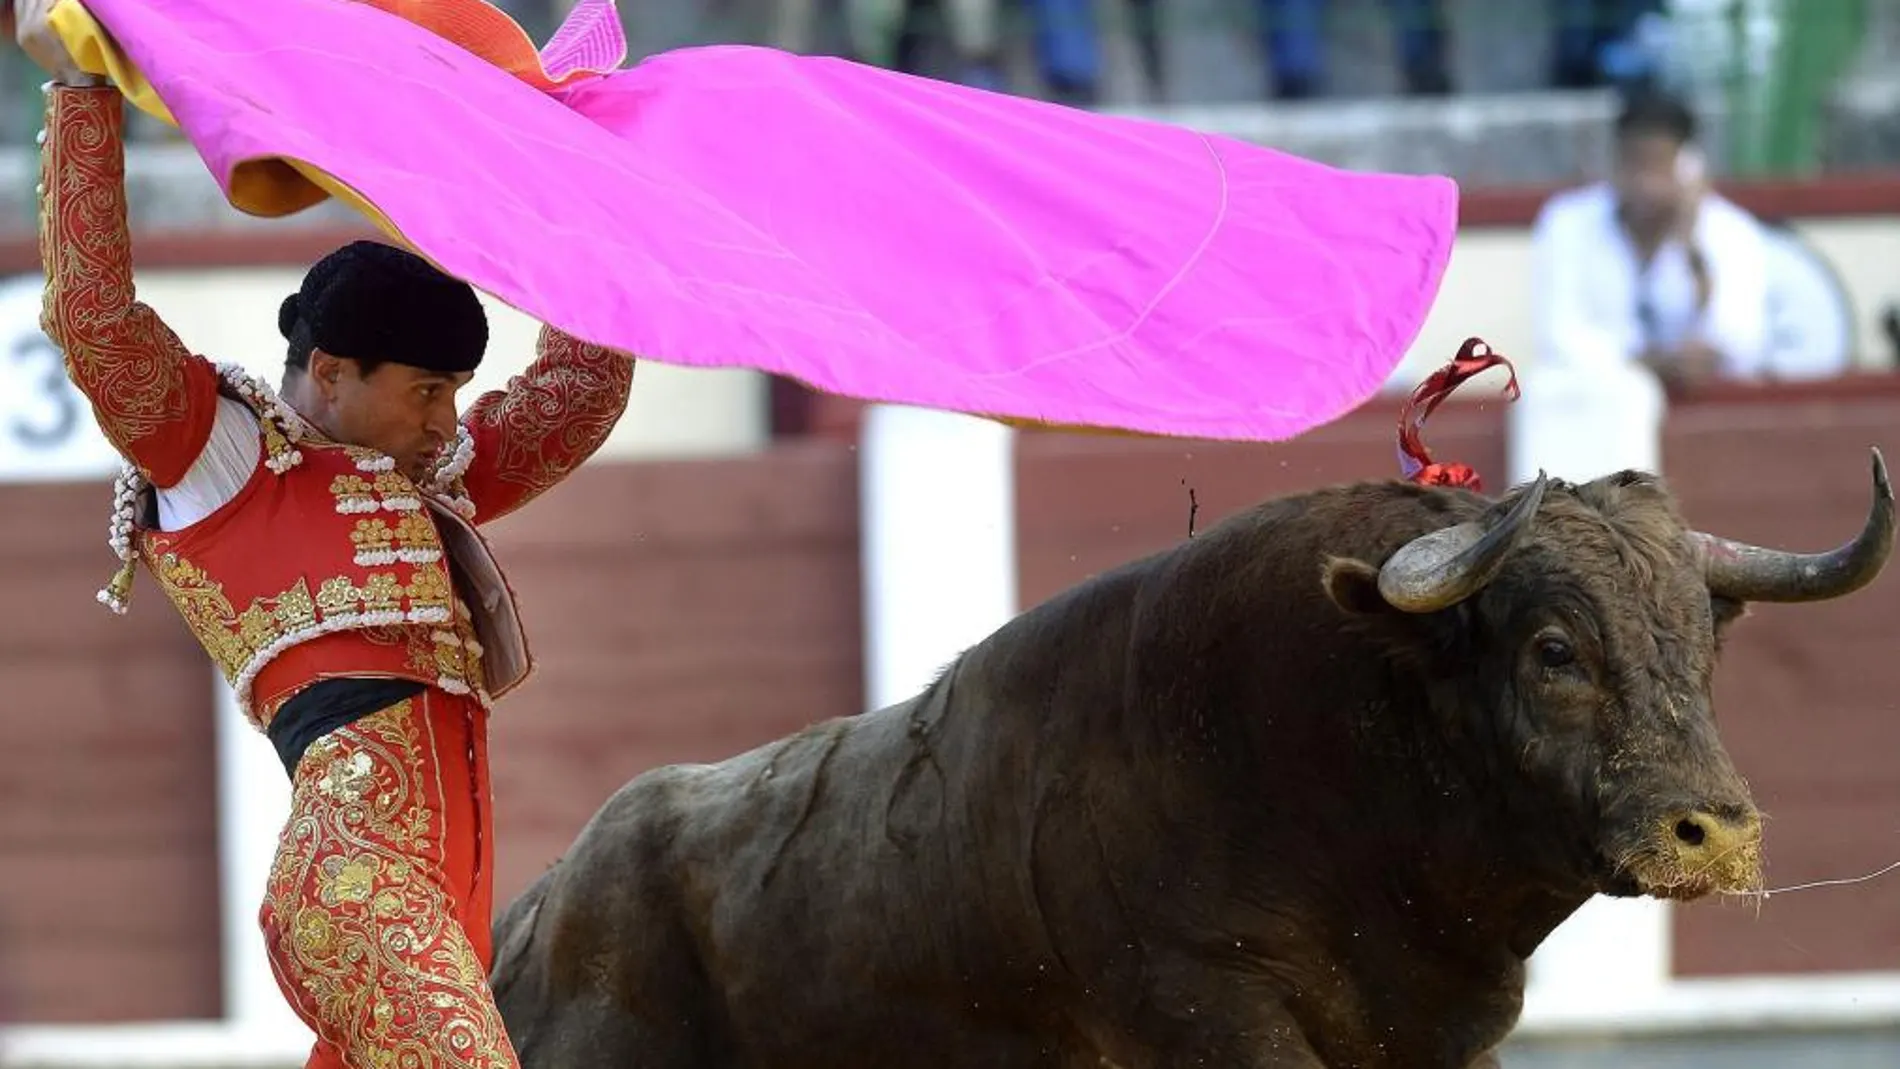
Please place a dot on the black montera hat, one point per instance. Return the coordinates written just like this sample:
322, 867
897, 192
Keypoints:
371, 301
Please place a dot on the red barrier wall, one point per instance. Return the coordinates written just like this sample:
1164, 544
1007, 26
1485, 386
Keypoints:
682, 611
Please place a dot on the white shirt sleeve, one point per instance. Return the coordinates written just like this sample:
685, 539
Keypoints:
221, 470
1571, 328
1736, 320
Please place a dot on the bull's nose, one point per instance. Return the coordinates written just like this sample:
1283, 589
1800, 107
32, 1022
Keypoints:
1722, 850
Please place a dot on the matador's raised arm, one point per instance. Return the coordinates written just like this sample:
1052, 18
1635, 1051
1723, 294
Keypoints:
153, 398
552, 416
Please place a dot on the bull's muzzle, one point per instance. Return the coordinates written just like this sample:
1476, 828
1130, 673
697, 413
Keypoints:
1695, 852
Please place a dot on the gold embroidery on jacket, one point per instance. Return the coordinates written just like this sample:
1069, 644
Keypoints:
412, 540
243, 641
552, 417
352, 494
127, 362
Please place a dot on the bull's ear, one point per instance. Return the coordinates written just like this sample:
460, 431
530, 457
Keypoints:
1406, 638
1353, 585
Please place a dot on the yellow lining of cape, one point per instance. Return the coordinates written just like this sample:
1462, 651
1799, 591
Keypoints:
277, 186
271, 186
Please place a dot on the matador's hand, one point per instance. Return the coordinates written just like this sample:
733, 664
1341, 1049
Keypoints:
33, 28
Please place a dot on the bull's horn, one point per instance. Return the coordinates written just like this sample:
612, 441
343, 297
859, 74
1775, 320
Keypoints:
1750, 573
1438, 570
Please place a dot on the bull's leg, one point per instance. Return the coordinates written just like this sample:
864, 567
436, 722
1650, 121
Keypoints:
1219, 1018
1231, 1037
610, 1010
589, 1033
1280, 1045
595, 968
1276, 1048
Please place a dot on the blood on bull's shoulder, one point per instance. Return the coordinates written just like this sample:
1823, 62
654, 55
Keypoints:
1304, 790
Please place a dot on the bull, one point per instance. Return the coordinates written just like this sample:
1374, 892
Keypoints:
1304, 790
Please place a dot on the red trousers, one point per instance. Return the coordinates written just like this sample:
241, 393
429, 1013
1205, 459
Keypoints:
377, 915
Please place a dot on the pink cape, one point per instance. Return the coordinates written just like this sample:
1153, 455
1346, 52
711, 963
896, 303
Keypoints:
868, 233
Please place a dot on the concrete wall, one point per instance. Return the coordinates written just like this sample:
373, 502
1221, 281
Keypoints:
1774, 1050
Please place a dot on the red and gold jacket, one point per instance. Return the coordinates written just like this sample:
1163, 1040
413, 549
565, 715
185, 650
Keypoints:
329, 562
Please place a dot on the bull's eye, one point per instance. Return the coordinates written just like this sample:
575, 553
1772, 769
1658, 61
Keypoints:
1554, 652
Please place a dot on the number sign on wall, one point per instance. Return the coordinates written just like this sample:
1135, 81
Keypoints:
47, 432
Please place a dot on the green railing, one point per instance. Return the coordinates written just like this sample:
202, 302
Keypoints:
1795, 52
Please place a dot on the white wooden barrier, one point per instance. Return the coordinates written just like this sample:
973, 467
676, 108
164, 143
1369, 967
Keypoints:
1613, 953
253, 803
938, 543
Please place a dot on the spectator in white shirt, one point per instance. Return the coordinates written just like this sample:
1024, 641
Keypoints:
1652, 267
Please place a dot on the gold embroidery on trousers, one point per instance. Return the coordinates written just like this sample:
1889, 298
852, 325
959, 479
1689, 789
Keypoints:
359, 926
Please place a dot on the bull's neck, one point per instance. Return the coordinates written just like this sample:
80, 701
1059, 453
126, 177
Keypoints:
1472, 842
1370, 814
1406, 866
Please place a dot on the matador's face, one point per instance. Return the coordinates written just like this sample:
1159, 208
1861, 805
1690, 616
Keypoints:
406, 412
